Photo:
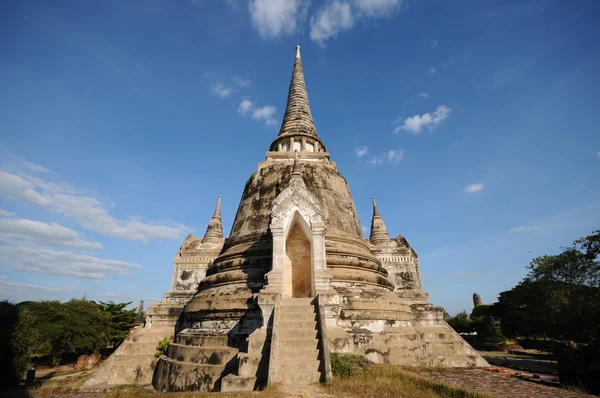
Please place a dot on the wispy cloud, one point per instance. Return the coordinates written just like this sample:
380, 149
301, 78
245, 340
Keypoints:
423, 95
330, 20
532, 228
88, 211
49, 261
129, 297
361, 151
242, 82
473, 188
19, 231
432, 70
222, 91
36, 168
10, 290
337, 16
434, 44
273, 18
4, 213
598, 154
265, 113
415, 124
391, 156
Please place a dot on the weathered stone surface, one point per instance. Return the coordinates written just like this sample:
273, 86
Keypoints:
296, 236
88, 361
477, 300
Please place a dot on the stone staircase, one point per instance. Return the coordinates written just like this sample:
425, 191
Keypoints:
195, 362
298, 354
133, 362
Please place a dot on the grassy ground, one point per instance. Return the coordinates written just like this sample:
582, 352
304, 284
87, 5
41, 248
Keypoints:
392, 381
365, 382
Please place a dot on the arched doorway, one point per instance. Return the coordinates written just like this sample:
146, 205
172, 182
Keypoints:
298, 273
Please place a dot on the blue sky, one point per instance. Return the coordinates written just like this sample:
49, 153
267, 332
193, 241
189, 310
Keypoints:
474, 123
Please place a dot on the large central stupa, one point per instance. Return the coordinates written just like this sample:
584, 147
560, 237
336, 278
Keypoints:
296, 279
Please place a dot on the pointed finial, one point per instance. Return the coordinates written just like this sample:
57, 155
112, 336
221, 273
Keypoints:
218, 208
84, 295
375, 211
297, 51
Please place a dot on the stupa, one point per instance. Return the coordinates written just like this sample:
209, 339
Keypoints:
296, 280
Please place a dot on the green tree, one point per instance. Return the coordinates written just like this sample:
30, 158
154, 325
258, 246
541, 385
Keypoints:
120, 320
66, 329
461, 323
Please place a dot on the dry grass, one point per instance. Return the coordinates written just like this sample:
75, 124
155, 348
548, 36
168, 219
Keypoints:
393, 382
58, 387
132, 392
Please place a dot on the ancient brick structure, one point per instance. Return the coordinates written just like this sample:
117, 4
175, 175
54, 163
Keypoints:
295, 280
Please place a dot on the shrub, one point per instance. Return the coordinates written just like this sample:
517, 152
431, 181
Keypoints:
162, 347
346, 365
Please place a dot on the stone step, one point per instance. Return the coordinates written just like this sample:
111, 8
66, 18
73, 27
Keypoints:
297, 325
302, 344
295, 366
151, 335
291, 316
201, 340
232, 383
297, 310
286, 301
301, 379
290, 334
201, 354
301, 354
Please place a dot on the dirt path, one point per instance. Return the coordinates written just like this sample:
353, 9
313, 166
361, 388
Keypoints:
499, 385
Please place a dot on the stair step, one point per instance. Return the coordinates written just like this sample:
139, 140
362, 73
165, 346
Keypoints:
298, 334
291, 316
298, 325
299, 355
296, 366
297, 310
302, 344
297, 301
232, 383
201, 354
299, 378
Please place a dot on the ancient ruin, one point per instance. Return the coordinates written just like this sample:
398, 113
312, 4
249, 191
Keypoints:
477, 300
295, 280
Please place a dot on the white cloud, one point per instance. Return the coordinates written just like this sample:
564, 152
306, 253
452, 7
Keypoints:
361, 151
35, 167
395, 156
221, 91
415, 124
48, 261
265, 113
434, 44
240, 81
391, 156
19, 231
245, 106
4, 213
86, 210
598, 154
331, 19
375, 160
525, 229
276, 17
423, 95
17, 188
10, 290
472, 188
432, 70
378, 8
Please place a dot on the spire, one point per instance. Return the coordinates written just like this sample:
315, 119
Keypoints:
139, 317
379, 233
214, 231
298, 125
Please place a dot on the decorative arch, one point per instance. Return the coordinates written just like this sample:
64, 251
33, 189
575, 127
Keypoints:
299, 268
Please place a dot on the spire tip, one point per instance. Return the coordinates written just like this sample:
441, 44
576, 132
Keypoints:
297, 51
